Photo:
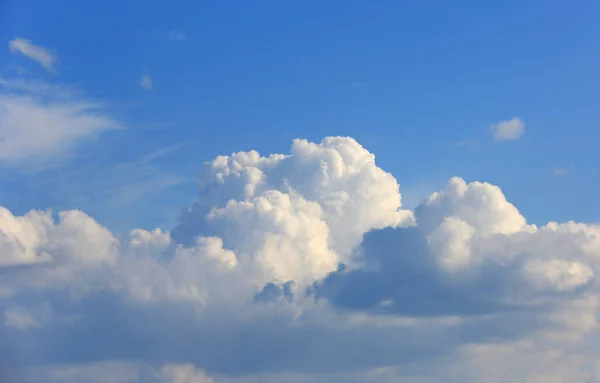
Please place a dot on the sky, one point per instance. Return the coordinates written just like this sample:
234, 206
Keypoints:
299, 191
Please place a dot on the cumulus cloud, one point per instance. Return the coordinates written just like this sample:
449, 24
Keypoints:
304, 267
22, 46
146, 82
510, 130
40, 121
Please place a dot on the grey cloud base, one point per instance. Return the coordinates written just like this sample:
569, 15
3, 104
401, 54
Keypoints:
302, 268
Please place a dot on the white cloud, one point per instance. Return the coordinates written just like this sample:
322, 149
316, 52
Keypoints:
509, 130
39, 121
249, 286
27, 48
146, 82
176, 35
184, 374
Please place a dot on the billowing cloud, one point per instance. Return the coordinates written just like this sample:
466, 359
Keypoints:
304, 267
22, 46
40, 122
510, 130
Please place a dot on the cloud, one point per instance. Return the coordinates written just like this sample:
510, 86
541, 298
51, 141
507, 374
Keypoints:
19, 45
471, 253
176, 35
559, 172
19, 320
510, 130
114, 372
40, 121
146, 82
184, 374
304, 267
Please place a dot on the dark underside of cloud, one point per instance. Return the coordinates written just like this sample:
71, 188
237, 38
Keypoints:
115, 330
402, 278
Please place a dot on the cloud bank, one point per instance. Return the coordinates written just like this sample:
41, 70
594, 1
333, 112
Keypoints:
303, 267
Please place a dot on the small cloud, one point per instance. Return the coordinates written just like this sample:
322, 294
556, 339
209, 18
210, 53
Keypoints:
510, 130
24, 319
175, 373
559, 172
146, 82
20, 321
176, 35
469, 144
22, 46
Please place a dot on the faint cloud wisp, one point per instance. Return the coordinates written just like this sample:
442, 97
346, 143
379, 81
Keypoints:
175, 35
26, 48
146, 82
559, 172
40, 121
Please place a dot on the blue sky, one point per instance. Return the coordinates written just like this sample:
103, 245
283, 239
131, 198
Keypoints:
143, 238
408, 81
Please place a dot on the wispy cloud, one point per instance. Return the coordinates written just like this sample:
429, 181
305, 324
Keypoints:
146, 82
559, 172
19, 320
126, 181
22, 46
176, 35
468, 144
510, 130
40, 121
123, 189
